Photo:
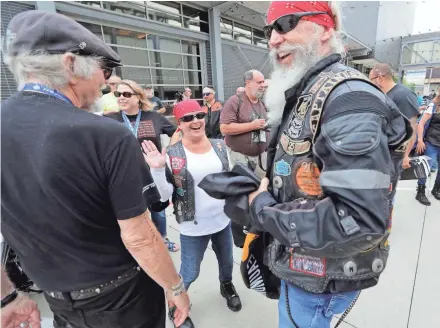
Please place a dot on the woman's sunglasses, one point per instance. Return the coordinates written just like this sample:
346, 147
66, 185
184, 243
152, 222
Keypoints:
206, 94
287, 23
190, 118
126, 94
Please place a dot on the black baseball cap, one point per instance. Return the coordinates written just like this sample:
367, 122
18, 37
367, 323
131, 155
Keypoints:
54, 33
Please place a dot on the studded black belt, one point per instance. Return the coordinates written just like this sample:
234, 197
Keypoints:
90, 292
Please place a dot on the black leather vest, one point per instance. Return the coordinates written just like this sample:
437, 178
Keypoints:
183, 194
295, 177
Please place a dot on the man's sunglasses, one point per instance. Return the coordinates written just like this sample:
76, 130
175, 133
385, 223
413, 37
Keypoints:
206, 94
190, 118
126, 94
287, 23
108, 71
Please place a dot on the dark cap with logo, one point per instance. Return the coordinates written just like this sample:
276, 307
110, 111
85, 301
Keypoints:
54, 33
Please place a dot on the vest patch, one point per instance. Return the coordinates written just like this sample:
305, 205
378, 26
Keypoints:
177, 164
308, 264
294, 147
306, 178
282, 168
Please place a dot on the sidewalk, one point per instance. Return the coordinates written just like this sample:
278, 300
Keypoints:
406, 296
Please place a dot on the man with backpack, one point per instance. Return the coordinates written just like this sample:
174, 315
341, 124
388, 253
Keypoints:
243, 122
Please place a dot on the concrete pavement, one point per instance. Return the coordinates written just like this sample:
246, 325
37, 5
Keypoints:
406, 296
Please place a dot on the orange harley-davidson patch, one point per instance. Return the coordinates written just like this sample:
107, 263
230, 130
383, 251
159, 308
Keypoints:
306, 178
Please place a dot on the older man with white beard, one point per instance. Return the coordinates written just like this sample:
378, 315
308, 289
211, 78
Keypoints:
75, 187
327, 197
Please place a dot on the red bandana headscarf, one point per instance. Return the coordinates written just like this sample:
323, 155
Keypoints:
185, 107
278, 9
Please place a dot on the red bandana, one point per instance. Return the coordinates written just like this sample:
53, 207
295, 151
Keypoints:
185, 107
278, 9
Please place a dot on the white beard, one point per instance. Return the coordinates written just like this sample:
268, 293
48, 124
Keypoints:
284, 78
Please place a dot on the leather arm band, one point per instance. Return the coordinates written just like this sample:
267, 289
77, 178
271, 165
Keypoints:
9, 298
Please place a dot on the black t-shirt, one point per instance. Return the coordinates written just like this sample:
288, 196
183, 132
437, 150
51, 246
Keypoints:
405, 100
151, 126
157, 103
433, 133
67, 177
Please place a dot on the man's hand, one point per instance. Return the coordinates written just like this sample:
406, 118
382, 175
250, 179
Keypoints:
263, 187
152, 156
183, 306
405, 163
21, 310
420, 147
259, 123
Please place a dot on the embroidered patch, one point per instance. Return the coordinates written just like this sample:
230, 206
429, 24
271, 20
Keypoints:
177, 164
303, 106
282, 168
179, 208
180, 191
295, 128
315, 266
294, 147
178, 181
306, 178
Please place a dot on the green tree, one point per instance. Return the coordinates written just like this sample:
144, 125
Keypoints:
411, 86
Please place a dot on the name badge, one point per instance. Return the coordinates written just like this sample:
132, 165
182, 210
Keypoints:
262, 136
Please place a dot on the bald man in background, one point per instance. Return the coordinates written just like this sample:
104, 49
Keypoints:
108, 102
405, 99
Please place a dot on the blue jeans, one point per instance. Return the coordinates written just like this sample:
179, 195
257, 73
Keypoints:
311, 310
160, 221
434, 153
193, 248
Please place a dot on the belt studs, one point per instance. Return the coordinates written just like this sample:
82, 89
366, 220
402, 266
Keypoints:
97, 290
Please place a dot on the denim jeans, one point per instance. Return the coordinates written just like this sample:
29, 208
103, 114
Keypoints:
311, 310
160, 221
193, 248
434, 153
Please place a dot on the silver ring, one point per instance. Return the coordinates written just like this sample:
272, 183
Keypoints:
24, 325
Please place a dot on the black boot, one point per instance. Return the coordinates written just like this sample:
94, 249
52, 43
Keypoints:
228, 291
421, 196
436, 190
186, 324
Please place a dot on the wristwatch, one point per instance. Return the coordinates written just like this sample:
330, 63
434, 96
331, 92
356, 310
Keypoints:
179, 288
9, 298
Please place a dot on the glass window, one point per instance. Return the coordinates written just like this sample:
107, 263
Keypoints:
95, 29
123, 37
191, 62
196, 92
164, 6
167, 93
259, 39
190, 48
160, 43
140, 75
193, 77
242, 33
194, 24
191, 12
164, 76
161, 59
164, 18
134, 57
226, 28
134, 8
90, 3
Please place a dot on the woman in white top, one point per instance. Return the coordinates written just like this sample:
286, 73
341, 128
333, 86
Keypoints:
201, 217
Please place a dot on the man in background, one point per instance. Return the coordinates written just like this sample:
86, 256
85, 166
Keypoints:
239, 90
213, 109
108, 103
157, 103
243, 120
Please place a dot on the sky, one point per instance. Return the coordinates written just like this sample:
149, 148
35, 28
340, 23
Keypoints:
427, 17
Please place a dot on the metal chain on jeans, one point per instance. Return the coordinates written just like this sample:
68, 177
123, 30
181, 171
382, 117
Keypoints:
344, 315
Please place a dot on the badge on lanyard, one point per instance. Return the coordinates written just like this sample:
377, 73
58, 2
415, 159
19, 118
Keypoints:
133, 128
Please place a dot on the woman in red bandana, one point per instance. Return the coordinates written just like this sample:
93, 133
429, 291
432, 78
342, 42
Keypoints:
201, 217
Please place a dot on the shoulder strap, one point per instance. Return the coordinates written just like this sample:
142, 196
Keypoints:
240, 102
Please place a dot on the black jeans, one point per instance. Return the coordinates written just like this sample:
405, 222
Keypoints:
138, 303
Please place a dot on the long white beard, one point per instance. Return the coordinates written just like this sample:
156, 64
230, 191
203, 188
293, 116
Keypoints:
283, 78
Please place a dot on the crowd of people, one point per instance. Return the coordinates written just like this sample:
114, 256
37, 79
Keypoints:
84, 195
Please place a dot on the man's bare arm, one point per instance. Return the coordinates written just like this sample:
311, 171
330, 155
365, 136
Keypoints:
240, 128
411, 142
146, 245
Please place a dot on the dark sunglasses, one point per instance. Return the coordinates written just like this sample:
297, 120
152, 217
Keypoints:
126, 94
287, 23
190, 118
108, 71
206, 94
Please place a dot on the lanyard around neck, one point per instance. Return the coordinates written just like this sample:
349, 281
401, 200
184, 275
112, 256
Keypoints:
41, 88
133, 128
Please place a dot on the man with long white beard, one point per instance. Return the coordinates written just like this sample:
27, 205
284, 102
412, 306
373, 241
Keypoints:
327, 196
